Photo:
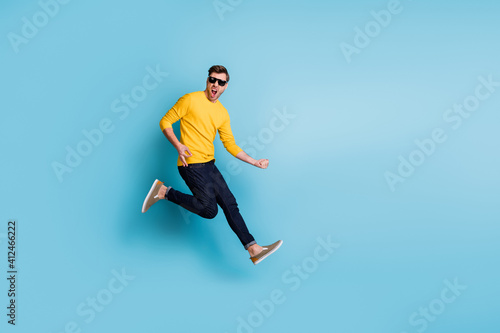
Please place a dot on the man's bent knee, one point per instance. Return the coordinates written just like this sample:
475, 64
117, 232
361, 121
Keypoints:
209, 212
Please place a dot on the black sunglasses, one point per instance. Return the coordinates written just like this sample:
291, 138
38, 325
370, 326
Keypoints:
222, 83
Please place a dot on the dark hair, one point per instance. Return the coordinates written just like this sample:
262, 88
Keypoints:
219, 69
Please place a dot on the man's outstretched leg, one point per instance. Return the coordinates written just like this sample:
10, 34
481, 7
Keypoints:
227, 201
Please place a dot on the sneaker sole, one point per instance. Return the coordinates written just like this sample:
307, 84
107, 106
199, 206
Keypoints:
149, 195
268, 253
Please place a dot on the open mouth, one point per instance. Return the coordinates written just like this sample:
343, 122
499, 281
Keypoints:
214, 92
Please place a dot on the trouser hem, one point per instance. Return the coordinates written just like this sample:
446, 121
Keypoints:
250, 244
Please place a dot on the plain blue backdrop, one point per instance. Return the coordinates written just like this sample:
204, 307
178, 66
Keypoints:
347, 119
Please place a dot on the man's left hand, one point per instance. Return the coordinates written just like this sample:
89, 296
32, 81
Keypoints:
262, 163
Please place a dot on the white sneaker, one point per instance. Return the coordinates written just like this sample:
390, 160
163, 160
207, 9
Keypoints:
152, 196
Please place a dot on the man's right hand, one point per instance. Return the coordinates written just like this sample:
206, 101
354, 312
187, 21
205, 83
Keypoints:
181, 149
183, 153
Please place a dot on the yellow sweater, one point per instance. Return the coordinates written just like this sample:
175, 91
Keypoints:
200, 120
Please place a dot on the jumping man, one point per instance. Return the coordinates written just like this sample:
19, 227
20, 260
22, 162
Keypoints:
202, 115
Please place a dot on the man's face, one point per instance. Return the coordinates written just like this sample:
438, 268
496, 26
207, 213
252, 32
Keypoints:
214, 90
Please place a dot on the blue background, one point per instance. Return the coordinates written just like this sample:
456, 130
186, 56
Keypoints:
351, 122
